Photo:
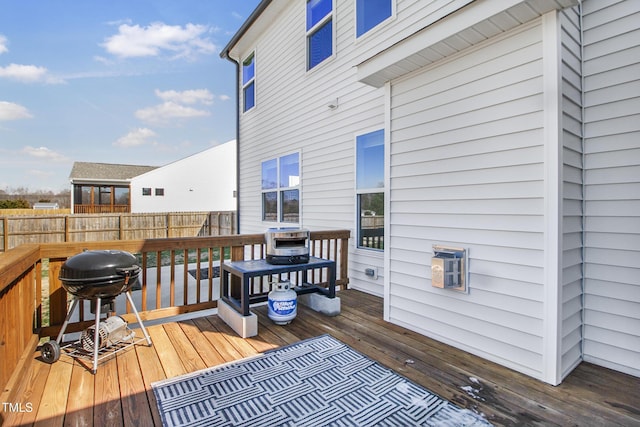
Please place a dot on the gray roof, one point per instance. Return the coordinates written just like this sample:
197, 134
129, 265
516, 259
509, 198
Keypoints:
106, 171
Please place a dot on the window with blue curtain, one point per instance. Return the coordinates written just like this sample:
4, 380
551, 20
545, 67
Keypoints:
248, 82
319, 31
370, 13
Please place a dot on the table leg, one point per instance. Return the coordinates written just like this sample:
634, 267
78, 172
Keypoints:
245, 295
332, 281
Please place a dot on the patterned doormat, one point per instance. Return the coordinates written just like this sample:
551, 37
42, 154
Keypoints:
317, 382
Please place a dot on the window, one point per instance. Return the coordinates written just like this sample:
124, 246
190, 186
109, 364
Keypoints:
159, 191
146, 191
249, 82
370, 189
281, 189
319, 31
100, 195
370, 13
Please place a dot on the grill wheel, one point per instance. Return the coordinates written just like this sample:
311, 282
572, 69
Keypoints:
50, 351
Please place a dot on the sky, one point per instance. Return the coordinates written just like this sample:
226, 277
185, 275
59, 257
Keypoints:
113, 81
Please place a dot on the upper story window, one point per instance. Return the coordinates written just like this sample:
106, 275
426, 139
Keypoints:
249, 82
319, 31
370, 13
370, 189
281, 189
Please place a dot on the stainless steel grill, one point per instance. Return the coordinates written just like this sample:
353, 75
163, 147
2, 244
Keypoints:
287, 245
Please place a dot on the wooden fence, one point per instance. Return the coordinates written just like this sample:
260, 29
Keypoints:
19, 230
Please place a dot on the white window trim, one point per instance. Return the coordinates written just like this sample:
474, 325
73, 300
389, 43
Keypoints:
330, 16
278, 190
253, 80
378, 27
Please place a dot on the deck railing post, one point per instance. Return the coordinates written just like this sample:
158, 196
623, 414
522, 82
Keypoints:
57, 294
5, 229
237, 254
344, 261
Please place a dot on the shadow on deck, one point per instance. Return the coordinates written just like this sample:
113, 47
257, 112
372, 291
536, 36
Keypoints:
66, 393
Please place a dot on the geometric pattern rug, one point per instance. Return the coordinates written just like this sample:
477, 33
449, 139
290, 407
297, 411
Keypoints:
316, 382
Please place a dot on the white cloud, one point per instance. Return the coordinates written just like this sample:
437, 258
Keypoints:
43, 153
11, 111
3, 44
140, 136
224, 97
158, 39
168, 110
193, 96
28, 74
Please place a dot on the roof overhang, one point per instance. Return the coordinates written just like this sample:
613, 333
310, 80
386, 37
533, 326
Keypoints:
91, 181
260, 19
479, 20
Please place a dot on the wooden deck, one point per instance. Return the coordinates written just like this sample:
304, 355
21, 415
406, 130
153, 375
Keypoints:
66, 393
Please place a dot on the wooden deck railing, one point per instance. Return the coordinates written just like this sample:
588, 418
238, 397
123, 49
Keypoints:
178, 276
100, 209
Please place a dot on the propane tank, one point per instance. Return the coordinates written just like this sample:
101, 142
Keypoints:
283, 303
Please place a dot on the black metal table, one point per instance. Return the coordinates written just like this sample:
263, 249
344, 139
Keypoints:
246, 270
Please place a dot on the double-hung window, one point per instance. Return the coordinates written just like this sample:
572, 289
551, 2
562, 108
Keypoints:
369, 13
319, 31
249, 82
370, 189
281, 189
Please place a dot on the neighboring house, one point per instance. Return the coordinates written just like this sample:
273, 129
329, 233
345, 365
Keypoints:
204, 181
103, 187
507, 128
46, 205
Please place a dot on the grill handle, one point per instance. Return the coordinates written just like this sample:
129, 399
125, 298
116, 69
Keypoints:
127, 272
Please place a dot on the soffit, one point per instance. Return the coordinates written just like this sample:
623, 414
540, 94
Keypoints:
470, 25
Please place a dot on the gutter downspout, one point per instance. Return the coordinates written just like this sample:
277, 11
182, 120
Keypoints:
225, 55
584, 176
237, 145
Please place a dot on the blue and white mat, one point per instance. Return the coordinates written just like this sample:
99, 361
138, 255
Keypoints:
317, 382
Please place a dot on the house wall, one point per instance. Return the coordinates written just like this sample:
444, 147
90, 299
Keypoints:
571, 208
291, 114
612, 184
203, 182
467, 170
485, 151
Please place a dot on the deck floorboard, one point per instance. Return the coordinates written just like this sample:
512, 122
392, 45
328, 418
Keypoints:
119, 394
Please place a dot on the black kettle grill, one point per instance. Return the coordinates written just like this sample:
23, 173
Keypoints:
99, 276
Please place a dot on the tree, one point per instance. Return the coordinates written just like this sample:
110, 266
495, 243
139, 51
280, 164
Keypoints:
14, 204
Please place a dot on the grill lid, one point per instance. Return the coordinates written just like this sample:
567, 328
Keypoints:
104, 273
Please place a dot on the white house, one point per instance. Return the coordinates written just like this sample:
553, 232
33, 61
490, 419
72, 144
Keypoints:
507, 128
205, 181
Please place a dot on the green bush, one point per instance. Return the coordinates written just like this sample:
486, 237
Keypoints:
14, 204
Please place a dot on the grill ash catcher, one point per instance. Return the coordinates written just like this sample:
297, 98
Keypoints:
98, 276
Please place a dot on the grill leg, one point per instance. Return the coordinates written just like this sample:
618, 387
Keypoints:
74, 304
133, 307
96, 343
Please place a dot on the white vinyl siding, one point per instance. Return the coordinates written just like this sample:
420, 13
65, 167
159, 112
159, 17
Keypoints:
467, 170
293, 115
571, 214
612, 184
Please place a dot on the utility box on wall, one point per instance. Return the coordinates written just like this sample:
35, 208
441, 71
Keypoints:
449, 268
